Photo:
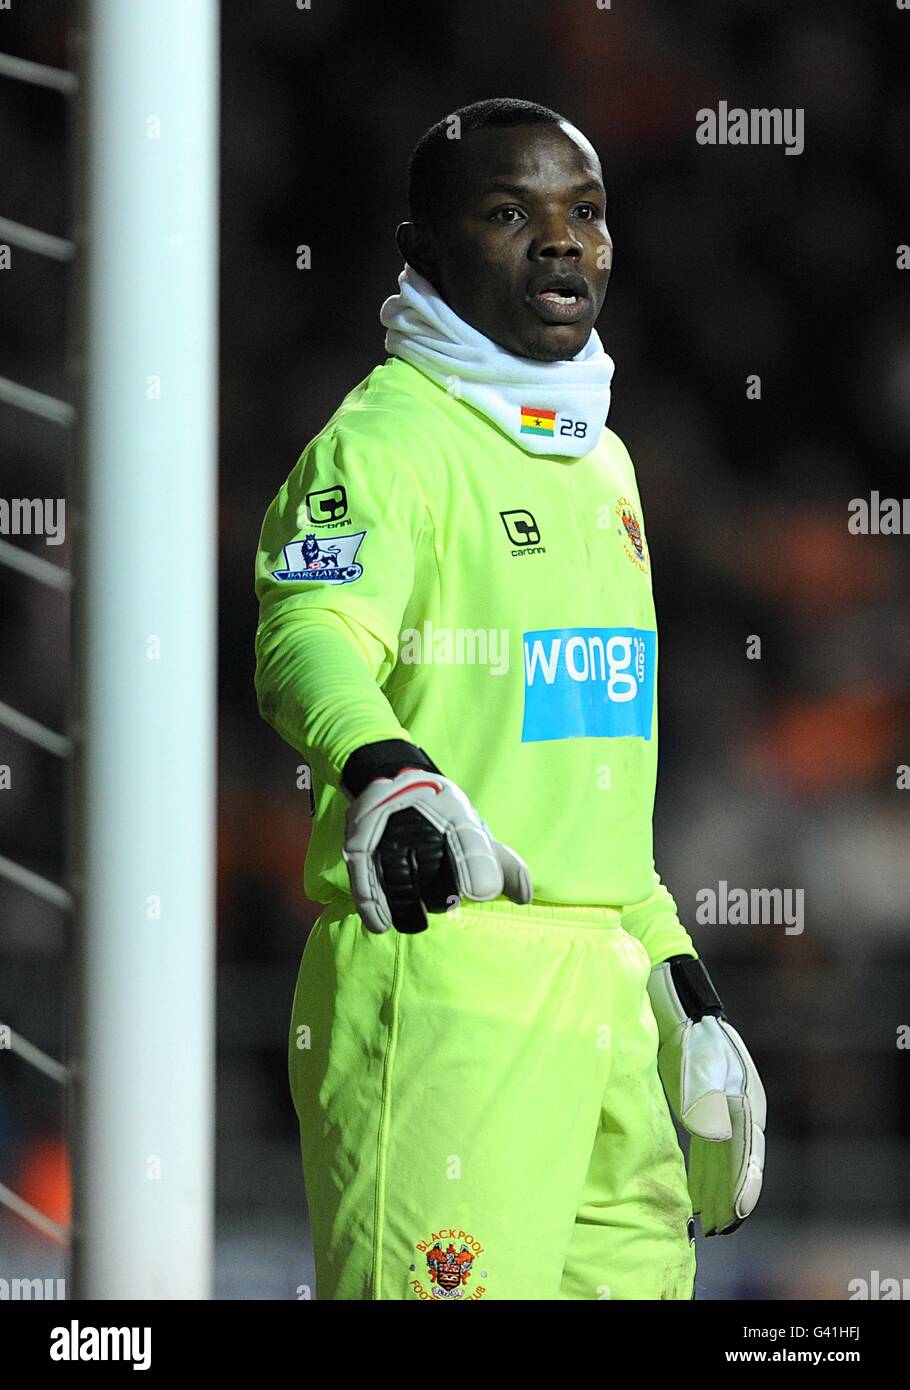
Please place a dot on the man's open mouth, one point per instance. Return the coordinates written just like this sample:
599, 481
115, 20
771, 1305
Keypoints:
559, 298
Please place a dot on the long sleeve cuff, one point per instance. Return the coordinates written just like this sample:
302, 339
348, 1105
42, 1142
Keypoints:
655, 923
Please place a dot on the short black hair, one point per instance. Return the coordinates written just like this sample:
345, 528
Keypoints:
427, 168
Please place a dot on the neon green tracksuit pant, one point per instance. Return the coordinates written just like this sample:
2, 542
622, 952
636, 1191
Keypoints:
480, 1110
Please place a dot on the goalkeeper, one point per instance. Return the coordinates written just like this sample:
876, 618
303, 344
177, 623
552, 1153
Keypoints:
457, 630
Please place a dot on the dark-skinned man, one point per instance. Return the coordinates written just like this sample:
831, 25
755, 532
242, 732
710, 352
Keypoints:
457, 630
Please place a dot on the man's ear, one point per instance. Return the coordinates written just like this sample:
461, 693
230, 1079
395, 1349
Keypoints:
417, 245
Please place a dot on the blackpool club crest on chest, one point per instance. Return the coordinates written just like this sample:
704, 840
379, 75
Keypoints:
630, 530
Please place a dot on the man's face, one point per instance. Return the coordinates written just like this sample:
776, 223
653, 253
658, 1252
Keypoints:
520, 248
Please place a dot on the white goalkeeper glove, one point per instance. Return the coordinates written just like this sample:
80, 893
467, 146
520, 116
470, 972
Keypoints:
714, 1091
414, 843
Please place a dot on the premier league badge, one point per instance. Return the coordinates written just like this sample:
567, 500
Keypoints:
330, 560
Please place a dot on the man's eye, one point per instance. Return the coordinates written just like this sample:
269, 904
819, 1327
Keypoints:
589, 208
502, 213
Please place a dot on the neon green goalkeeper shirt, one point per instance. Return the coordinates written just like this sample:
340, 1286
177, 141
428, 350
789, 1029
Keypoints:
420, 576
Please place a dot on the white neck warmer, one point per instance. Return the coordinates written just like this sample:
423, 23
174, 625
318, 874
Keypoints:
545, 407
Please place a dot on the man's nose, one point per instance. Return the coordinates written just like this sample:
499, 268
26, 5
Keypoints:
556, 238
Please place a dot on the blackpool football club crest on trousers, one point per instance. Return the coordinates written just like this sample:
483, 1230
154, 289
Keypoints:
449, 1257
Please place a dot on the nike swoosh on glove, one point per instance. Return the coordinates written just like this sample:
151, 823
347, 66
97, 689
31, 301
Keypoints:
715, 1092
414, 843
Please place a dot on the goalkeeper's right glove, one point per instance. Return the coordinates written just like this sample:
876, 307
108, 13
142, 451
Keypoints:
414, 842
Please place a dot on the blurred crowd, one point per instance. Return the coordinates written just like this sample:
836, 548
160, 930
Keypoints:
779, 759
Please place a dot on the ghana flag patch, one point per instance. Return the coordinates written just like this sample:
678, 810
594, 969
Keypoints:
535, 421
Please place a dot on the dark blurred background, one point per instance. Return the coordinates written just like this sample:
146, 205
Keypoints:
776, 773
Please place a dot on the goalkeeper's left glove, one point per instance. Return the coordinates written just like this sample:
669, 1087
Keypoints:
714, 1091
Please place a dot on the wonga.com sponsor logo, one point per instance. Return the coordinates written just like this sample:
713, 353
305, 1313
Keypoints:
589, 682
